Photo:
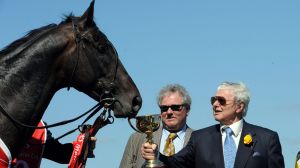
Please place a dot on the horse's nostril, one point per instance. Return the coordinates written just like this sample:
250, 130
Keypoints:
136, 104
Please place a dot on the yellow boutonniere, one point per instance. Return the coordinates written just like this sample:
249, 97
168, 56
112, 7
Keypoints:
248, 139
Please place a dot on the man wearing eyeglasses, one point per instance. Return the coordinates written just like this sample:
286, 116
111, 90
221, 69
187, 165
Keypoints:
174, 103
231, 143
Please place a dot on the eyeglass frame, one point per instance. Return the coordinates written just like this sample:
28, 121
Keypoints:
222, 100
174, 107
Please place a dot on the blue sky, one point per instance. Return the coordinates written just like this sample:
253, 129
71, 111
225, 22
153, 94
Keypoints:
195, 43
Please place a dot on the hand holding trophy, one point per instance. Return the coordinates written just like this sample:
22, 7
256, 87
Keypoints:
148, 124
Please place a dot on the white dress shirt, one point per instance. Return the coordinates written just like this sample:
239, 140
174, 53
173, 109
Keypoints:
178, 141
237, 128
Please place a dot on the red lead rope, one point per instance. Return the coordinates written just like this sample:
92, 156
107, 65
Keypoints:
76, 159
81, 147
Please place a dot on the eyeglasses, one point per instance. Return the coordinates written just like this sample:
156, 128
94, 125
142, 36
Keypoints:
220, 99
174, 107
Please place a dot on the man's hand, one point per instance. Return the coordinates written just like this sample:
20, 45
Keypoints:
148, 151
93, 142
92, 147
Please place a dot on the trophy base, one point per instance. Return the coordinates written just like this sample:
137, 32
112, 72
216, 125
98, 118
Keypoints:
153, 164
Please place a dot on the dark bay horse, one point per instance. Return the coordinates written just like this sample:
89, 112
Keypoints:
74, 53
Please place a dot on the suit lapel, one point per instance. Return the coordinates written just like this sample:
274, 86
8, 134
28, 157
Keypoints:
187, 135
218, 158
244, 151
157, 136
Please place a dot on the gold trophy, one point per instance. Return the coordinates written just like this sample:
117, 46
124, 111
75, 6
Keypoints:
148, 124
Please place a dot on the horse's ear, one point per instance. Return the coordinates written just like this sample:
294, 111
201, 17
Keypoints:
88, 16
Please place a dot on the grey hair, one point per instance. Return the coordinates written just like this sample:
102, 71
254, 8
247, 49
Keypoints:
240, 91
173, 88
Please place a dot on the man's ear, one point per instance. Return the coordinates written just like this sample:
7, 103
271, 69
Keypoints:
240, 108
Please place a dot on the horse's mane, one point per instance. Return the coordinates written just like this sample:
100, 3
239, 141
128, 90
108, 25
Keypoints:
32, 34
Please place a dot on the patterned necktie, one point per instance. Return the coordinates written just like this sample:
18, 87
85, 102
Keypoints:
229, 149
169, 149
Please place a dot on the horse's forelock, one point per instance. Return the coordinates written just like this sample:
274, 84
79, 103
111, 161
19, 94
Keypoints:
67, 18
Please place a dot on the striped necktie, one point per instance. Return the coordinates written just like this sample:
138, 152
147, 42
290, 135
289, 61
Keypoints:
229, 149
169, 149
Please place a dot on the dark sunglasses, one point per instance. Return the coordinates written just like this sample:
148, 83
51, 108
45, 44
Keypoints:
174, 107
220, 99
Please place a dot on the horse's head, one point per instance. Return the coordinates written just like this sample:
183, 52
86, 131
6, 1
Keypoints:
74, 53
91, 65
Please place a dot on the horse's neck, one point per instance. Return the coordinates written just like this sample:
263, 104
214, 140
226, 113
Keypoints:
27, 74
27, 83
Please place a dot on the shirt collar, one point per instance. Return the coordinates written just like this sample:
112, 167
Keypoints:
180, 133
235, 127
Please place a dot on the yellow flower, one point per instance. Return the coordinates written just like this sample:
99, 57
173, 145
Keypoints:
248, 139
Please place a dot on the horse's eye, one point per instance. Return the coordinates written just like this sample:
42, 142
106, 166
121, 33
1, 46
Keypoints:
102, 48
96, 38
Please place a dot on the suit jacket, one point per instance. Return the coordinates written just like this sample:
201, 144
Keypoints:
204, 150
132, 157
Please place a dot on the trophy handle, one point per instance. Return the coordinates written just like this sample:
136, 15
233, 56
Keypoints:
133, 126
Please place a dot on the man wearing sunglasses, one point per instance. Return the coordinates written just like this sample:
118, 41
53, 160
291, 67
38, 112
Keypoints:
174, 103
231, 143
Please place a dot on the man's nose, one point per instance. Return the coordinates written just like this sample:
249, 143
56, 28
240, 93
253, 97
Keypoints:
169, 111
